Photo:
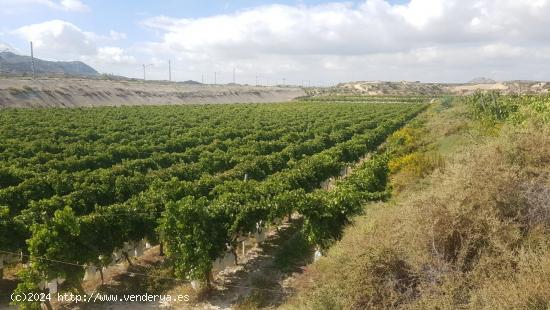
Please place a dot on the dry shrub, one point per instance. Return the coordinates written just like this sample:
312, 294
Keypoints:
386, 280
379, 278
525, 287
478, 237
537, 195
476, 220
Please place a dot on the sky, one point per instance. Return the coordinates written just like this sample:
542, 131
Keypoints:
299, 42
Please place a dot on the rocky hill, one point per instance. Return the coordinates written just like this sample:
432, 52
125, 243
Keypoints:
482, 80
374, 88
13, 64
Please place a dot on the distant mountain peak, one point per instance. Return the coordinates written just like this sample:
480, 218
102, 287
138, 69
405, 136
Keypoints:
191, 82
482, 80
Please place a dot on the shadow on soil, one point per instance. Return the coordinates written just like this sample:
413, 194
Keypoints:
259, 281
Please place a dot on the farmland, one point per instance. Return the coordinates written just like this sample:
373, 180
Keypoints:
83, 187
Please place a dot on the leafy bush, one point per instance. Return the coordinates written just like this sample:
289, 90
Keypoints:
495, 107
447, 102
492, 105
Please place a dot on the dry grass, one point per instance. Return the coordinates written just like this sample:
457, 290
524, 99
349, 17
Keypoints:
261, 298
476, 237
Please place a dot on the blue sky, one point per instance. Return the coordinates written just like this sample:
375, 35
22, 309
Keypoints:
324, 41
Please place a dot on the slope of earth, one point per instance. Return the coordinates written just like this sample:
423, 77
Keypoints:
392, 88
434, 89
73, 92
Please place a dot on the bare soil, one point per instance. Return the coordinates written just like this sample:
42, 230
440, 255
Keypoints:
19, 92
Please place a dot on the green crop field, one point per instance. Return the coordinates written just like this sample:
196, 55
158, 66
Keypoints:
76, 185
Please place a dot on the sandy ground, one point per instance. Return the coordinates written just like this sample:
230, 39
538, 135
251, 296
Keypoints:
73, 92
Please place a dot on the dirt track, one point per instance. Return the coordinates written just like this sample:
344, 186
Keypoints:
72, 92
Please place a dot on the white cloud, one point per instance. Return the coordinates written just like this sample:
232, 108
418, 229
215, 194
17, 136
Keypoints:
74, 5
59, 37
16, 6
429, 40
326, 29
374, 26
110, 54
116, 36
61, 40
366, 40
64, 39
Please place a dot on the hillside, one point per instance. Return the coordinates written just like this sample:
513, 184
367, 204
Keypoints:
482, 80
13, 64
376, 88
73, 92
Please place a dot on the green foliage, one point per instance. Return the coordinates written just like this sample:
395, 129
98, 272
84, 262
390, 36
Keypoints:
447, 102
10, 177
56, 240
29, 284
293, 252
492, 105
194, 237
12, 231
79, 183
327, 212
516, 108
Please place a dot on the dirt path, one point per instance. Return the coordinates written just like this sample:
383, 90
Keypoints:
256, 275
